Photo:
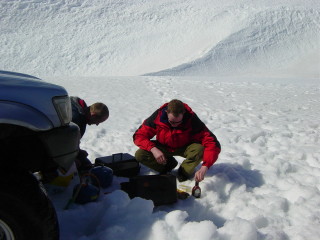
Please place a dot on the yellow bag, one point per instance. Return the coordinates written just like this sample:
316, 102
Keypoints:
64, 179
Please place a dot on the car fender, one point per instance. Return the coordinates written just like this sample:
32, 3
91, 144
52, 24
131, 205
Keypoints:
23, 115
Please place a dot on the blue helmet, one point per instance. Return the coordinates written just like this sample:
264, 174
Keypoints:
103, 176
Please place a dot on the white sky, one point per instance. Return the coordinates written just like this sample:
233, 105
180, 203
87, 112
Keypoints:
249, 69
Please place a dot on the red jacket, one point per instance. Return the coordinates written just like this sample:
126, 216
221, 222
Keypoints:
191, 130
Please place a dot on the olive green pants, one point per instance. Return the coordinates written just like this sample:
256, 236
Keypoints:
192, 153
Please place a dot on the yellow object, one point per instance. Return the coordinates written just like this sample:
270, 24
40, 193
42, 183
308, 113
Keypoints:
185, 188
64, 178
62, 181
182, 194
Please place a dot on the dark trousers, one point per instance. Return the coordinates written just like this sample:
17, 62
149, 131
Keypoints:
192, 153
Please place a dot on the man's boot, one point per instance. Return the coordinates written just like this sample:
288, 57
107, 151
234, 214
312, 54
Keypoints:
182, 175
171, 164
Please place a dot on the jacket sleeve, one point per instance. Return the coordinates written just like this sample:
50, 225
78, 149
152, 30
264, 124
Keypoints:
203, 135
145, 132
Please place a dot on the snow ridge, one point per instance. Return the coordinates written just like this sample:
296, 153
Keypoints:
271, 43
116, 38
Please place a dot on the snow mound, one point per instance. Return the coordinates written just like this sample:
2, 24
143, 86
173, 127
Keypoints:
272, 42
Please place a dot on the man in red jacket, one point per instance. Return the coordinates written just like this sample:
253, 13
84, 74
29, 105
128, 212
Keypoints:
179, 132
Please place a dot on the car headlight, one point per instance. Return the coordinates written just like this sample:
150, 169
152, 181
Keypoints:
63, 108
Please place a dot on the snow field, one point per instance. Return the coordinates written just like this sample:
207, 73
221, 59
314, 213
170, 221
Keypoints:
266, 181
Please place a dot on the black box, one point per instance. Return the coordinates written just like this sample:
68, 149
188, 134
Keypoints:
122, 164
161, 189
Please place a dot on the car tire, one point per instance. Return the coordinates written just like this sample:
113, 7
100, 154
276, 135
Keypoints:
25, 210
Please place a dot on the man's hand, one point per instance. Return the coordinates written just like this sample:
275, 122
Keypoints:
158, 155
199, 176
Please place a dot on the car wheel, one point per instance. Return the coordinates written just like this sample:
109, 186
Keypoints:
25, 210
5, 231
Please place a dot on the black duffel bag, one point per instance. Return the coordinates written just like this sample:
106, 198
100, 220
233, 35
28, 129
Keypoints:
161, 189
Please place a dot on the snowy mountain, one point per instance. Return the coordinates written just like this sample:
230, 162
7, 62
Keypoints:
250, 70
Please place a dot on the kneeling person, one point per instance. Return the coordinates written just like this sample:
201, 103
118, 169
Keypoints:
179, 132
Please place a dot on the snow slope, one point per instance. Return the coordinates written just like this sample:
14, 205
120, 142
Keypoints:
121, 38
249, 69
269, 43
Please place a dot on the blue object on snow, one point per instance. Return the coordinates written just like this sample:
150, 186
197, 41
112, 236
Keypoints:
86, 193
103, 174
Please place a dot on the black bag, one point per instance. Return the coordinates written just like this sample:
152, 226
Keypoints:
161, 189
122, 164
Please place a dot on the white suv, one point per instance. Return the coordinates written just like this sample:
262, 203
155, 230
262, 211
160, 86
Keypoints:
36, 135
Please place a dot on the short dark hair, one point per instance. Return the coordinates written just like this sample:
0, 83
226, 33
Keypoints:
100, 109
176, 107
